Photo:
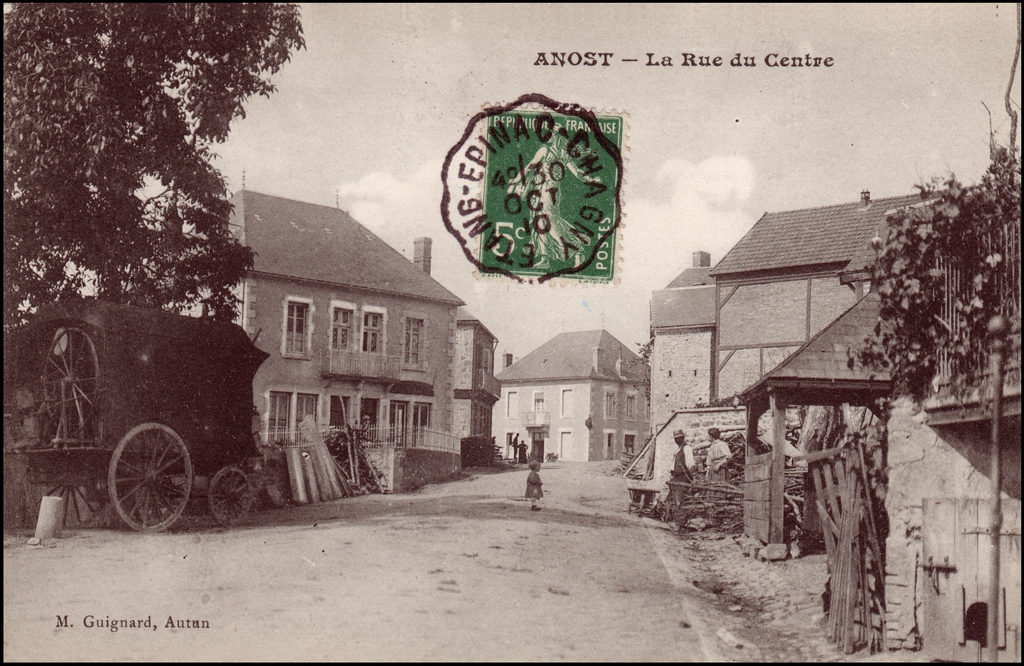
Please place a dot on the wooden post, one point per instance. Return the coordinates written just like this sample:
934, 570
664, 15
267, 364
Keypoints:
776, 533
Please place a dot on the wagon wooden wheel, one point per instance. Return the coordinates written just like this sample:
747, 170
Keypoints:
230, 495
70, 387
150, 477
80, 503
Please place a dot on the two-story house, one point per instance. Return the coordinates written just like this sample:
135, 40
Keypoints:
683, 330
789, 277
476, 389
580, 396
356, 332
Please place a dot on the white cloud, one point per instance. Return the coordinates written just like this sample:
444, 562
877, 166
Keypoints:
694, 207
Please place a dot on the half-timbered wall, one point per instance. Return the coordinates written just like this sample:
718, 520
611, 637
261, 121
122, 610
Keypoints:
761, 322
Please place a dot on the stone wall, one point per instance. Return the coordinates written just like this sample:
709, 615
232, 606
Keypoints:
680, 372
406, 470
931, 463
417, 467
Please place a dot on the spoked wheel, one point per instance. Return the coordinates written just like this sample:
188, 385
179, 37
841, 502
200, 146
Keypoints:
70, 387
150, 477
230, 496
81, 504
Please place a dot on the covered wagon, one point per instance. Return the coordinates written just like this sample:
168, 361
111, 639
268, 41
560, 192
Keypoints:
132, 403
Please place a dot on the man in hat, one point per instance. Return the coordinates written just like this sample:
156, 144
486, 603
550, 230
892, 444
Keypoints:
684, 462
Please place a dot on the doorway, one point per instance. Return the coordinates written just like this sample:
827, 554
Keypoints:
537, 453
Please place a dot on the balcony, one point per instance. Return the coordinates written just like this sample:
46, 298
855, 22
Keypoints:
359, 365
969, 401
484, 380
535, 419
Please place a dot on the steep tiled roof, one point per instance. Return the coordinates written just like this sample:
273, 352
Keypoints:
812, 236
692, 277
464, 315
825, 357
688, 306
571, 356
304, 240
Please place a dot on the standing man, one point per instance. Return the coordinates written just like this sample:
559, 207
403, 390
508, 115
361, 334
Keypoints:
684, 462
718, 456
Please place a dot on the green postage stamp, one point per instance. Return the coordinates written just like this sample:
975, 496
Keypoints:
532, 191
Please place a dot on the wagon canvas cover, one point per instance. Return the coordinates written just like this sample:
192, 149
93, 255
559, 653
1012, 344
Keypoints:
191, 374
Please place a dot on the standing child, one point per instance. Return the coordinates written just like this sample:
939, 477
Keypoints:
533, 485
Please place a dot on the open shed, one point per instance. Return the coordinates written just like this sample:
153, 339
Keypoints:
818, 373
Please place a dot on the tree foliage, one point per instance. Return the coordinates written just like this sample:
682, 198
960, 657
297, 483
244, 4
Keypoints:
964, 240
110, 112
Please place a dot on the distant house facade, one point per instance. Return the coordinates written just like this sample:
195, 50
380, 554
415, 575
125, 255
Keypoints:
580, 396
683, 330
476, 389
356, 332
787, 279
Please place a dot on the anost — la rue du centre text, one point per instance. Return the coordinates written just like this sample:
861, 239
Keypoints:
594, 58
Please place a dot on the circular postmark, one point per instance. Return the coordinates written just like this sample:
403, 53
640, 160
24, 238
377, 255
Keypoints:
532, 191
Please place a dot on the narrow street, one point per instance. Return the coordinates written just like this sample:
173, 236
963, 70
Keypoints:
457, 571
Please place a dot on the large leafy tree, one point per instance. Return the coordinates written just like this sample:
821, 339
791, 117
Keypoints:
110, 112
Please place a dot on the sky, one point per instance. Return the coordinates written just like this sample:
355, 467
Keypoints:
364, 116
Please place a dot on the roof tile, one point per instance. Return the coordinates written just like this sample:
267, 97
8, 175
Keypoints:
811, 236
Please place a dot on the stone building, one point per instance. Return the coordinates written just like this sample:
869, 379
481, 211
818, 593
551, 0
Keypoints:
683, 329
789, 277
580, 396
356, 332
476, 389
940, 495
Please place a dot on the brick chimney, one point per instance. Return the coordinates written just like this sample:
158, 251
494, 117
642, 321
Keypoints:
701, 259
598, 356
865, 198
508, 360
421, 253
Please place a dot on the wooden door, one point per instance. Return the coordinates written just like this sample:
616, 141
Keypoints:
955, 572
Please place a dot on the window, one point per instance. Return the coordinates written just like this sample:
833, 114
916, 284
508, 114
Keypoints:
630, 406
339, 410
373, 322
480, 420
341, 329
420, 421
305, 405
397, 420
611, 444
629, 443
297, 328
566, 402
277, 421
413, 337
512, 406
421, 415
609, 405
368, 408
538, 403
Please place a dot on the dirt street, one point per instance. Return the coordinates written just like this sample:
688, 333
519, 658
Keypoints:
457, 571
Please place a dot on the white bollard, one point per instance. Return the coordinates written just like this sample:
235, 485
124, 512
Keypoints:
51, 518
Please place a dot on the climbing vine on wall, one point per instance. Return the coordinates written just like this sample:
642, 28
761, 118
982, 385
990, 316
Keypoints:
961, 240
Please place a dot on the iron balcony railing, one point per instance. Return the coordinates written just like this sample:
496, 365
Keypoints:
535, 418
973, 371
483, 379
359, 364
382, 437
379, 437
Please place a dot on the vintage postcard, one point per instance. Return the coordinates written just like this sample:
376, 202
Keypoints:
522, 278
